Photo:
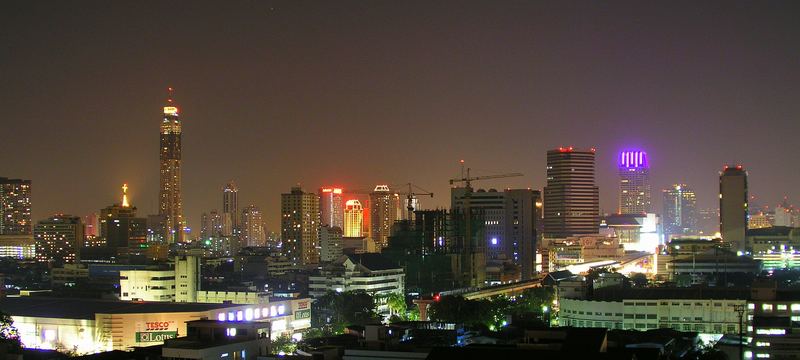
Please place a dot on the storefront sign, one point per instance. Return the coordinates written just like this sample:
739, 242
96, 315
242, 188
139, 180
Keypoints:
156, 336
302, 314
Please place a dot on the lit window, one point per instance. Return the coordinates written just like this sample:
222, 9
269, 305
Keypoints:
781, 307
766, 307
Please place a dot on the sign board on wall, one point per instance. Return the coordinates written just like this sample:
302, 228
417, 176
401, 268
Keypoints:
155, 331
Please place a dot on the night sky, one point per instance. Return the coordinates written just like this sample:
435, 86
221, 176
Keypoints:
352, 93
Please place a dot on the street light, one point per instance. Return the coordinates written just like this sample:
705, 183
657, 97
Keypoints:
740, 309
546, 313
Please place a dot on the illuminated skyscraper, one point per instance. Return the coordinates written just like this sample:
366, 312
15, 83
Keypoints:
15, 206
353, 218
230, 209
330, 206
300, 226
383, 213
170, 201
680, 211
253, 227
92, 222
120, 230
58, 239
634, 183
571, 198
733, 206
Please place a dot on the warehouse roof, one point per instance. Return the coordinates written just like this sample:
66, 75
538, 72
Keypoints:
76, 308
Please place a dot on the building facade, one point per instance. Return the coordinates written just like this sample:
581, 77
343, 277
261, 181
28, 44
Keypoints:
230, 209
88, 326
58, 239
15, 207
253, 227
511, 219
300, 226
169, 197
700, 313
330, 241
733, 208
680, 210
571, 198
331, 207
382, 214
773, 322
353, 218
634, 183
120, 229
372, 273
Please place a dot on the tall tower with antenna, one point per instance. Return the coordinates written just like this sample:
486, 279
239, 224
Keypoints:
169, 195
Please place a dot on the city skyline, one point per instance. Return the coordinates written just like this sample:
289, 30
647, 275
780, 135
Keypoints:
544, 97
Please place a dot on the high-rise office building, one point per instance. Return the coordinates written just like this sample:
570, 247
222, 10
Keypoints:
634, 183
571, 198
58, 239
680, 211
330, 207
210, 225
510, 219
383, 213
169, 197
120, 229
15, 207
353, 218
733, 206
92, 222
253, 226
330, 242
300, 226
230, 209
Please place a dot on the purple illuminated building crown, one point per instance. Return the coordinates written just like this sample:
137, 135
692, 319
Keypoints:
633, 159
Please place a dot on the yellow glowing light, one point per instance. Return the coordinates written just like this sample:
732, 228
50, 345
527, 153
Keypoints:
170, 110
125, 195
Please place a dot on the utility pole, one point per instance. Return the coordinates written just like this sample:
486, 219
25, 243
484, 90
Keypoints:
740, 309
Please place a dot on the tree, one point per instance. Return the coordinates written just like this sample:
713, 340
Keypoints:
9, 336
336, 310
283, 344
639, 280
456, 309
396, 303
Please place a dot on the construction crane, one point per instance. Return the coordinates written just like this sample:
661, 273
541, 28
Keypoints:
468, 179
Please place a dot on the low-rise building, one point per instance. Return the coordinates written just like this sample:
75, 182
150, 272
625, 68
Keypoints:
20, 247
147, 285
370, 272
773, 322
704, 310
210, 339
583, 249
777, 247
88, 326
233, 297
69, 274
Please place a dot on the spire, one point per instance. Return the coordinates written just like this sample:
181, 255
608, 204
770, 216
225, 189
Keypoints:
170, 108
125, 195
